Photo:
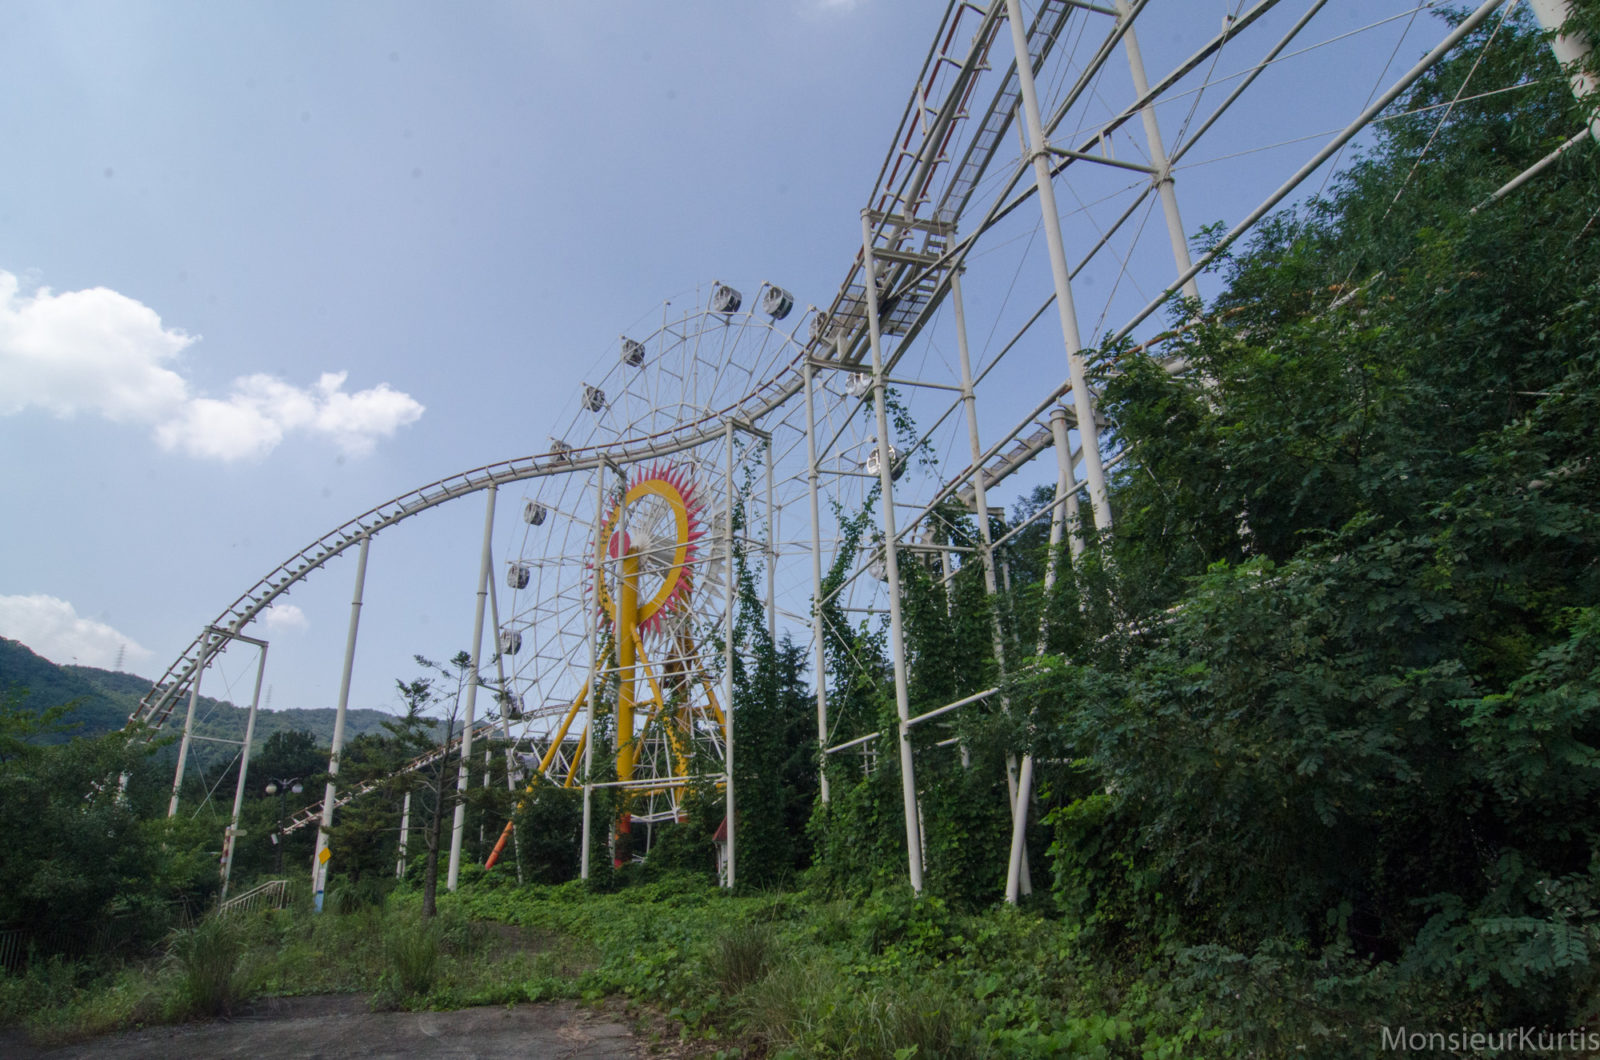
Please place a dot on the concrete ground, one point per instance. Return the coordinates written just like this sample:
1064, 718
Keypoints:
335, 1027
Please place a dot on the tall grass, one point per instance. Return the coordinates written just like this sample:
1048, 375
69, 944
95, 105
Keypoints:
411, 951
817, 1008
208, 959
211, 969
61, 1001
741, 956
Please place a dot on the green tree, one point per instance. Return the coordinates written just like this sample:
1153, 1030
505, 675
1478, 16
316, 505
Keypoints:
80, 857
549, 829
434, 702
1335, 686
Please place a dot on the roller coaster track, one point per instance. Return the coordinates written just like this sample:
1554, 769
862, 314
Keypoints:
154, 709
312, 814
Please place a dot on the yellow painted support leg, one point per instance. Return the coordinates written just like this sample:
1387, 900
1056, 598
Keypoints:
544, 767
561, 733
627, 627
627, 641
577, 760
680, 753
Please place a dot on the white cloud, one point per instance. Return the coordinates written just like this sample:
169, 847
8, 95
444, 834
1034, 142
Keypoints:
355, 420
281, 618
53, 628
101, 352
93, 350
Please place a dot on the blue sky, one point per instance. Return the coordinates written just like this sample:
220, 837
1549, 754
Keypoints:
265, 266
457, 214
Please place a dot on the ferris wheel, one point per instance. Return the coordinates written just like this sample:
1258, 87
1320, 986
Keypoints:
620, 582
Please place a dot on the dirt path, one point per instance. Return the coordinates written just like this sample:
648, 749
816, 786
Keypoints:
332, 1028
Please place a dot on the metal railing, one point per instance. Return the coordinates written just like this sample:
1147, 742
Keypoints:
118, 933
274, 894
13, 948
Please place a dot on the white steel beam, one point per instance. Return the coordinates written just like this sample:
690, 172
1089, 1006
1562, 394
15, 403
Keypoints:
1570, 49
469, 714
230, 837
323, 856
1077, 368
207, 649
1331, 148
820, 669
897, 644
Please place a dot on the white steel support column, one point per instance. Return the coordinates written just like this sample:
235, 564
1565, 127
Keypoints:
405, 835
1017, 865
897, 644
980, 500
624, 676
230, 838
729, 804
1553, 14
772, 555
206, 651
1158, 153
1019, 830
500, 683
1077, 370
980, 489
322, 857
1073, 515
505, 720
594, 673
820, 669
1066, 494
1082, 400
469, 716
1058, 432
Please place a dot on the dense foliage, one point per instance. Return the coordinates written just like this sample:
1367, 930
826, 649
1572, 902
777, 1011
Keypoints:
88, 865
1321, 710
1340, 695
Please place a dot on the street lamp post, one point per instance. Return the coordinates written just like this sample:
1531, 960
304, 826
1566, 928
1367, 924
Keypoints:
281, 788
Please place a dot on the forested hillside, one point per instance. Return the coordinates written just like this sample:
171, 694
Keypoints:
103, 699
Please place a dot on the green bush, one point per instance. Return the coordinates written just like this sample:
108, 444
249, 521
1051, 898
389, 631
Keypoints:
346, 896
41, 985
549, 822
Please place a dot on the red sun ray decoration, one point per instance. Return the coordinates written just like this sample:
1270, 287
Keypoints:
668, 594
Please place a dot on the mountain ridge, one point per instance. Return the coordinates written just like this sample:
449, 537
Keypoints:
105, 698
